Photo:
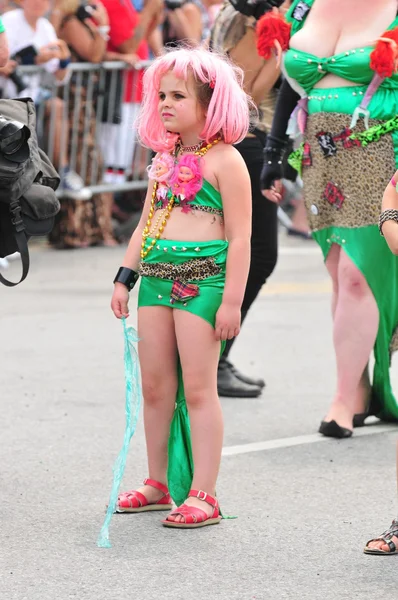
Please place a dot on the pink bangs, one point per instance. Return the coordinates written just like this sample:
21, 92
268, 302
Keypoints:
227, 113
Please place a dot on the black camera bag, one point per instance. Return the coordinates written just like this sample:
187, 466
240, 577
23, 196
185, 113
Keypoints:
28, 203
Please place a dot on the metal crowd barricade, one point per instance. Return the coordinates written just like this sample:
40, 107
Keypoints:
92, 98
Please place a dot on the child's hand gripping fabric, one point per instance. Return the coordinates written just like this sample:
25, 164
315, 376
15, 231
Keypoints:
120, 300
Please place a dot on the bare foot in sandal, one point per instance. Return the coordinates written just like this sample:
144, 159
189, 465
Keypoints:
387, 543
195, 503
153, 495
198, 510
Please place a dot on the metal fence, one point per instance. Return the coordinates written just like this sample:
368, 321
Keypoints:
87, 122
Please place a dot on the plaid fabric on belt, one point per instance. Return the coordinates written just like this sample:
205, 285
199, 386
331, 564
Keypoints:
181, 292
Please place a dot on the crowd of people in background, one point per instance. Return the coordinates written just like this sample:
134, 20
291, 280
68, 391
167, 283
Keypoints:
87, 118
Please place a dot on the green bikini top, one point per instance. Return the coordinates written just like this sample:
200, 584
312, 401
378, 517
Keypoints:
307, 69
207, 199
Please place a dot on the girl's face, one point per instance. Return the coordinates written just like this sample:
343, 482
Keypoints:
185, 174
179, 108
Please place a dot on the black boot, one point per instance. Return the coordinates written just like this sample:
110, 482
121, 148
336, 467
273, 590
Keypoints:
245, 378
228, 384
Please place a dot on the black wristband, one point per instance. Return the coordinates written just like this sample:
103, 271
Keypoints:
389, 214
127, 277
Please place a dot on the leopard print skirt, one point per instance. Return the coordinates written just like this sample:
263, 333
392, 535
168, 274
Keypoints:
343, 182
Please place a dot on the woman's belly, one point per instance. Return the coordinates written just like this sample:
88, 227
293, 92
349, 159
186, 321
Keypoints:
333, 81
193, 226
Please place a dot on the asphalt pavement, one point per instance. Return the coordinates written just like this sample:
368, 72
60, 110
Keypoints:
305, 505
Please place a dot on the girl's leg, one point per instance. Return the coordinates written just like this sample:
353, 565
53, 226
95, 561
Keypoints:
199, 352
157, 350
356, 321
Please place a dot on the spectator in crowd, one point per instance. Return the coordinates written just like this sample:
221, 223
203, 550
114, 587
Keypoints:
32, 40
128, 34
187, 21
235, 34
85, 29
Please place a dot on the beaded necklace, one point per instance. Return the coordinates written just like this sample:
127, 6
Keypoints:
158, 228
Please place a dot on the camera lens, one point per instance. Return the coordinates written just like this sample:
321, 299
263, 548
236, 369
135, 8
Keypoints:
13, 138
13, 143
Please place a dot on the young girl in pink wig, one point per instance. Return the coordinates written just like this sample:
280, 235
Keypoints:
194, 266
219, 87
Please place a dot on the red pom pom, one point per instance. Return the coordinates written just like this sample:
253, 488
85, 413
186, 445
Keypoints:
272, 28
384, 57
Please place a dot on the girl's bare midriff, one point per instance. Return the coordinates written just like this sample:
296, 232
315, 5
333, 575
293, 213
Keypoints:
194, 226
335, 26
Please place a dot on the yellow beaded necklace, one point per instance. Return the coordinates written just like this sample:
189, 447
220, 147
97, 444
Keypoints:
157, 229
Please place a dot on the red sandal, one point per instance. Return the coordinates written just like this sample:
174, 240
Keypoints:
135, 502
195, 517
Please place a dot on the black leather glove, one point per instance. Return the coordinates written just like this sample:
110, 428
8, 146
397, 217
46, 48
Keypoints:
272, 170
277, 140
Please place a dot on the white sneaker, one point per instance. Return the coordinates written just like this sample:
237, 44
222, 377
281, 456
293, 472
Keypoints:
72, 186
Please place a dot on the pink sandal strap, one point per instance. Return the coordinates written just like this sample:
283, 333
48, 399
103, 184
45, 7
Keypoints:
156, 484
132, 499
201, 495
191, 514
135, 499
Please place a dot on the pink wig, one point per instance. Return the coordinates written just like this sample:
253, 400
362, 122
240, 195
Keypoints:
228, 110
190, 188
166, 159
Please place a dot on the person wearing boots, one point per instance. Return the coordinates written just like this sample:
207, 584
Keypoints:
235, 34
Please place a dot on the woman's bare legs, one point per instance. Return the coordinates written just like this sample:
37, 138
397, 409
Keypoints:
380, 545
157, 350
199, 353
355, 325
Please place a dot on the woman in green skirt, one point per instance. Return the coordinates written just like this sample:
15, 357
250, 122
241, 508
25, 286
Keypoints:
342, 85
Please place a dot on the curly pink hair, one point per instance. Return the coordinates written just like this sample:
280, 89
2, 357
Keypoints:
190, 188
219, 86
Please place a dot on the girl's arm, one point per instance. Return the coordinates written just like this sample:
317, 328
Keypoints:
390, 201
235, 189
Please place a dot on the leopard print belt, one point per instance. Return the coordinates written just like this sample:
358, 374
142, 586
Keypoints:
196, 269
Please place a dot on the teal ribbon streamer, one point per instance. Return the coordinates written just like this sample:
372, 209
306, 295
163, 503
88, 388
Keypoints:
133, 399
